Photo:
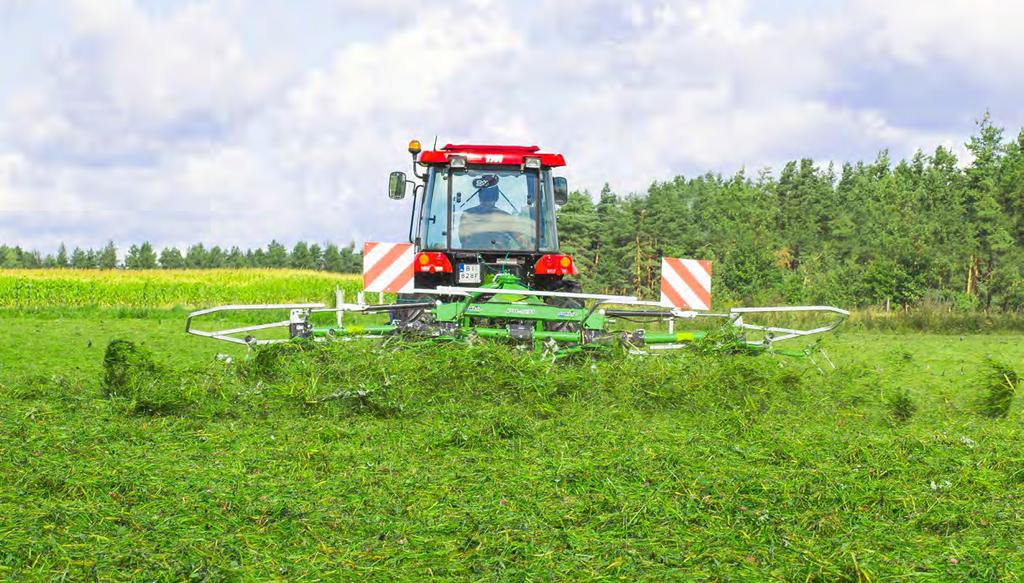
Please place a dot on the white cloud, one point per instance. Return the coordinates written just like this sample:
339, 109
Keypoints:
981, 34
194, 123
411, 70
134, 86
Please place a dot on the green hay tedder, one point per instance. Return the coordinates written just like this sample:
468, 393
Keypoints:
483, 262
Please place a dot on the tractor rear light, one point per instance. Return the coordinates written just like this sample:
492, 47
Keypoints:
457, 162
432, 262
555, 265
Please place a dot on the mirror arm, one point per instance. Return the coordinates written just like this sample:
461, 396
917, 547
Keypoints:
417, 174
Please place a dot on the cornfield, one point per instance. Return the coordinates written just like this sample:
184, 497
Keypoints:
51, 288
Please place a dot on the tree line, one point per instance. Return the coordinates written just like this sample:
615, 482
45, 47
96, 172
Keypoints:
328, 257
869, 233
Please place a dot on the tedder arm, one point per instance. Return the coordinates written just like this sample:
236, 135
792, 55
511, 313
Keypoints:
508, 310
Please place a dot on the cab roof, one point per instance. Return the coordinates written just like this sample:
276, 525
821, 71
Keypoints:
491, 154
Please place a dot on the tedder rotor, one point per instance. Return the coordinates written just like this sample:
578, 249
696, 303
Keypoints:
483, 261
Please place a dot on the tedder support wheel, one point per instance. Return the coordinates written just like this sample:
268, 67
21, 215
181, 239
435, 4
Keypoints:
567, 286
410, 315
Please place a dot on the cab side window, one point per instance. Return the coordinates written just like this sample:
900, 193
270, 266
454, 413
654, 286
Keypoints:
435, 214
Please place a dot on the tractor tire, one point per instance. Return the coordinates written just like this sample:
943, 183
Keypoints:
570, 287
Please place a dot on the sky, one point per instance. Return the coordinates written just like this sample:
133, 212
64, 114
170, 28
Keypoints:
236, 122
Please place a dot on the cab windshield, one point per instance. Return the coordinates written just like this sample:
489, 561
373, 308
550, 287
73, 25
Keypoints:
488, 209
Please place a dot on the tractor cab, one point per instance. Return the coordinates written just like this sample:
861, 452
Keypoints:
483, 210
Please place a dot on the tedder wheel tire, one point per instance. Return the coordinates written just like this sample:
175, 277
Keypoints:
409, 315
571, 287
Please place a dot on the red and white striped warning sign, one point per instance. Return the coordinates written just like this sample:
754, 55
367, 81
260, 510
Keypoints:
387, 267
686, 283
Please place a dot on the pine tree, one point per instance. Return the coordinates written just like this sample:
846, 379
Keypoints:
301, 258
31, 259
1011, 186
259, 258
276, 256
80, 259
131, 260
10, 257
196, 257
578, 229
215, 258
317, 255
236, 259
993, 241
332, 259
140, 257
170, 258
147, 256
614, 265
61, 260
351, 262
107, 258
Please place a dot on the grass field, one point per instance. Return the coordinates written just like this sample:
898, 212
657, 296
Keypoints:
450, 463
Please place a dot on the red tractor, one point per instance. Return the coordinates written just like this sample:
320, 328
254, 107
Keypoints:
485, 210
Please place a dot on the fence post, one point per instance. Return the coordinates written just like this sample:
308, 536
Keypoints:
339, 298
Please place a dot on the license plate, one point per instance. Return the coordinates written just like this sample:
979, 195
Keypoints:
469, 273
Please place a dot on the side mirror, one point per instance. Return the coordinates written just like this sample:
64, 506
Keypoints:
561, 190
396, 185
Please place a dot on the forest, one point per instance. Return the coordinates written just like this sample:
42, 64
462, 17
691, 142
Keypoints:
928, 229
880, 233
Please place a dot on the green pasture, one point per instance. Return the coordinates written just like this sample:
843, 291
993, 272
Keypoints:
181, 458
483, 463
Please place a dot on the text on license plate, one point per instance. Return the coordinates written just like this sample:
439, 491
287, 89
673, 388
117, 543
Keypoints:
469, 273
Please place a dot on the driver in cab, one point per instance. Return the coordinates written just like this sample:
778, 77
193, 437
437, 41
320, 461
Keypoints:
485, 226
